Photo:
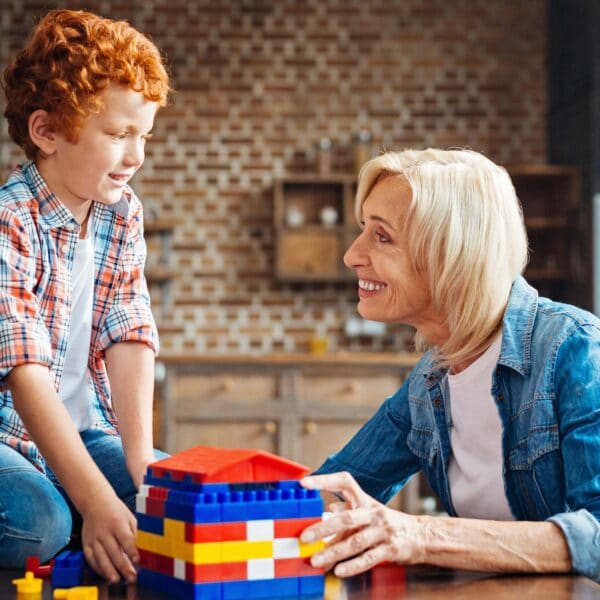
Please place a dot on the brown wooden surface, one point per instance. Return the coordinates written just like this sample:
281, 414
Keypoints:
398, 359
390, 583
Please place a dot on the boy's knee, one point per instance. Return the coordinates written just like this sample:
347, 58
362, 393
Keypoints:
39, 526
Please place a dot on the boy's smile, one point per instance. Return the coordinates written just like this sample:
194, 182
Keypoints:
108, 152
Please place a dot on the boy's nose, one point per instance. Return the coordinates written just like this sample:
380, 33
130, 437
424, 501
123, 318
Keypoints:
134, 156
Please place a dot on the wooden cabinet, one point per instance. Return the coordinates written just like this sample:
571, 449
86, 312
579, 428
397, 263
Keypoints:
550, 197
314, 224
303, 407
158, 234
307, 249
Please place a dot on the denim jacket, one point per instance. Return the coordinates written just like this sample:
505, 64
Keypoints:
546, 387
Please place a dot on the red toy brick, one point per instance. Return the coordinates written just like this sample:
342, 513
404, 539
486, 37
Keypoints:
215, 532
218, 465
285, 528
233, 571
32, 563
295, 567
155, 507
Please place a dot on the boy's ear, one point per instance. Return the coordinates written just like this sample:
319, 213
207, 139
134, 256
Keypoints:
40, 132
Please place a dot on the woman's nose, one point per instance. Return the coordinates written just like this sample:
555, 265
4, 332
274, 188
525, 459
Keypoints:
355, 255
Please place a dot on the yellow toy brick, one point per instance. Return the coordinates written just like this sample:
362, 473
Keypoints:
243, 551
307, 550
174, 530
28, 584
82, 592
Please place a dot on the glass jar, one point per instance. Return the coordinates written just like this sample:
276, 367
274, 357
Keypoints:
362, 149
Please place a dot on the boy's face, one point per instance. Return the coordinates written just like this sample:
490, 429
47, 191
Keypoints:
109, 150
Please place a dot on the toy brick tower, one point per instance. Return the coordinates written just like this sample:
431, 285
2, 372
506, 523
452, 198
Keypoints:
224, 524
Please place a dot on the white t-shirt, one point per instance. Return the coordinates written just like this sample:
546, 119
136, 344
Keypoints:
75, 385
475, 469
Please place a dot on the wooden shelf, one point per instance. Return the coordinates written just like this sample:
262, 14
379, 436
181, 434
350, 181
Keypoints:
312, 252
383, 359
160, 226
160, 272
548, 223
160, 275
546, 275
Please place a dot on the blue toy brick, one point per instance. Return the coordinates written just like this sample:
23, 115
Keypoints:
288, 484
281, 587
176, 588
257, 505
312, 585
233, 507
150, 524
236, 590
310, 503
283, 504
68, 569
192, 507
187, 485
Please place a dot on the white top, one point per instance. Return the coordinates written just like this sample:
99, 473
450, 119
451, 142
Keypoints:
75, 385
475, 469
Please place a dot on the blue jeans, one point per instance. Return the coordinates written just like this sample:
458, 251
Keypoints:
36, 515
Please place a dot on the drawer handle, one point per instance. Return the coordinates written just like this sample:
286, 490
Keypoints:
226, 385
270, 427
310, 427
351, 388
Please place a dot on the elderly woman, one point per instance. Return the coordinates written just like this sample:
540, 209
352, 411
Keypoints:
502, 413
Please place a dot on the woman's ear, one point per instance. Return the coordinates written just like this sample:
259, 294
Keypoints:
40, 132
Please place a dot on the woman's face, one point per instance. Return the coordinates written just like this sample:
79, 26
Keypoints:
389, 289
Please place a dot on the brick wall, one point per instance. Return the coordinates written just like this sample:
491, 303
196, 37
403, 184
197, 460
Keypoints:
258, 84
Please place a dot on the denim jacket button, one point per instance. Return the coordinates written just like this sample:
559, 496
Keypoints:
500, 398
437, 402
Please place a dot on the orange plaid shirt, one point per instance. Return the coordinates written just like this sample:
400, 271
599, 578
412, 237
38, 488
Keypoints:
38, 236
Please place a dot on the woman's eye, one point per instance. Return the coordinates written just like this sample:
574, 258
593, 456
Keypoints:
381, 237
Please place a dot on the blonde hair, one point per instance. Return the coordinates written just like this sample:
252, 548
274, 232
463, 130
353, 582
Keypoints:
466, 236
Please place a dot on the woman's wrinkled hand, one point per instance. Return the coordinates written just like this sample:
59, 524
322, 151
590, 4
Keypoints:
363, 531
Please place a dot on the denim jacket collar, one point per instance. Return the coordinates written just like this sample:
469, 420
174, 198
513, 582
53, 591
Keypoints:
517, 330
518, 327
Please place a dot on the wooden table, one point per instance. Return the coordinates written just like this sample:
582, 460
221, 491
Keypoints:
390, 583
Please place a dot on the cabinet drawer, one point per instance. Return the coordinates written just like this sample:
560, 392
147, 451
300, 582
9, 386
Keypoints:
227, 387
316, 440
260, 435
358, 390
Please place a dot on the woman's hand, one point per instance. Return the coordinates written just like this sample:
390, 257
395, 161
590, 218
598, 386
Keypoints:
108, 537
365, 531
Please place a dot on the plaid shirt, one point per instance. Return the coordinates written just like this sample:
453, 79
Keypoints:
38, 236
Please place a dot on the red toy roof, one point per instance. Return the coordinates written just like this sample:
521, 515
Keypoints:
217, 465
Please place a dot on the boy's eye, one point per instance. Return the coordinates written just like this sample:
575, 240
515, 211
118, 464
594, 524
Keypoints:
119, 136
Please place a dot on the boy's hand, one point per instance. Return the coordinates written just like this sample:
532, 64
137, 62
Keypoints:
137, 469
108, 536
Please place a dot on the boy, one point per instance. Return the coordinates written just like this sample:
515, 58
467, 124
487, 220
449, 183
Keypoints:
77, 338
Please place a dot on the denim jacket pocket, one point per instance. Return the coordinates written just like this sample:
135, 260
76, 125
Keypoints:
539, 441
420, 443
536, 465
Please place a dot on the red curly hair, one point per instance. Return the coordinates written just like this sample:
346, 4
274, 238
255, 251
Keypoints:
70, 58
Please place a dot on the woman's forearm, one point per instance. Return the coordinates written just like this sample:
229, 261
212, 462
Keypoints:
505, 546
